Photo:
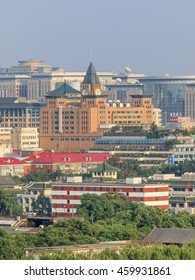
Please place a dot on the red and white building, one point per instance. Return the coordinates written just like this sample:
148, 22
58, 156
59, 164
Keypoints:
66, 197
13, 167
75, 162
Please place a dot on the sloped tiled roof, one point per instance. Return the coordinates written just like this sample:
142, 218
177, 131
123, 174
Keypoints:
105, 167
10, 161
91, 76
49, 157
6, 181
64, 89
170, 236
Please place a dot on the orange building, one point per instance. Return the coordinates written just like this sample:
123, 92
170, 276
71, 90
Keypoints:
72, 120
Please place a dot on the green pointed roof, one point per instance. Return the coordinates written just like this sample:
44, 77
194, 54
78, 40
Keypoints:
64, 89
105, 167
91, 76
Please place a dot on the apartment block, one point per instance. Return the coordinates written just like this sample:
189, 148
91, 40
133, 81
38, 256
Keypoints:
23, 138
66, 197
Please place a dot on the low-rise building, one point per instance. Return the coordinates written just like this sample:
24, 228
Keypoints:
71, 162
130, 142
181, 191
105, 171
13, 167
66, 197
183, 152
33, 190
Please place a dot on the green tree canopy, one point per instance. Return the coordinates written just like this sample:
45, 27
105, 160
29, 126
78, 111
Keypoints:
9, 203
42, 205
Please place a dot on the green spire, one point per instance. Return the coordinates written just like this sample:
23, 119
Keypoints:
91, 76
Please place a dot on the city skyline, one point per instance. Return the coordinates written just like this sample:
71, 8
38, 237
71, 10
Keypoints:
149, 37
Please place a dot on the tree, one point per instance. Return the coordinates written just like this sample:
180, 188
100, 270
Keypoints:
154, 132
9, 203
42, 205
95, 207
43, 175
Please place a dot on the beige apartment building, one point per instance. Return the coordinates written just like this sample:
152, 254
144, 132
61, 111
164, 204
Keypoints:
157, 116
5, 133
23, 138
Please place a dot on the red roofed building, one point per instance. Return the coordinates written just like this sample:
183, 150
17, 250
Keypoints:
13, 167
75, 162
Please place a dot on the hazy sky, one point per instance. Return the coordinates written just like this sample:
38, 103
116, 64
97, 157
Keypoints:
150, 36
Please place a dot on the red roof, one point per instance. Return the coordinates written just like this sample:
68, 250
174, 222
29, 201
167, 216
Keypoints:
49, 157
11, 161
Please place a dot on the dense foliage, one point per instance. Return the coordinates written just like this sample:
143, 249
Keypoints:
9, 203
108, 217
42, 205
44, 175
131, 168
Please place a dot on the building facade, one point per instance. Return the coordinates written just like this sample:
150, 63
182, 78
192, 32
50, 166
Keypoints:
5, 134
13, 167
190, 101
23, 137
67, 162
16, 112
184, 152
181, 191
168, 92
73, 124
66, 197
33, 79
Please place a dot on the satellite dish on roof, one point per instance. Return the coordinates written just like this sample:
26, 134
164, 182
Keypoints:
128, 70
118, 80
133, 81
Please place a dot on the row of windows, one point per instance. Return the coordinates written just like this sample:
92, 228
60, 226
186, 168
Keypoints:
125, 112
185, 149
71, 139
184, 156
125, 117
133, 142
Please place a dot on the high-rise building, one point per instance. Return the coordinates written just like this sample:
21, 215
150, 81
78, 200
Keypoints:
190, 101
